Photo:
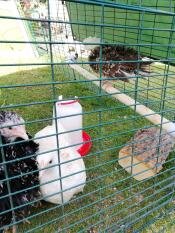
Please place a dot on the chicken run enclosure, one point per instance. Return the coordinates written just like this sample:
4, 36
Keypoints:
106, 74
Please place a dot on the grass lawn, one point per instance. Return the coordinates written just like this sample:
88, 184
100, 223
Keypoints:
112, 200
157, 91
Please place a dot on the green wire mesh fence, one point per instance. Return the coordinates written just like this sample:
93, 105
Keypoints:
125, 180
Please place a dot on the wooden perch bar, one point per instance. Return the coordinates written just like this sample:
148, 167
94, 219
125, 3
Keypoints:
148, 149
125, 99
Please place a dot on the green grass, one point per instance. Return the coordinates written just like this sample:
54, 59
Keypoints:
110, 191
155, 90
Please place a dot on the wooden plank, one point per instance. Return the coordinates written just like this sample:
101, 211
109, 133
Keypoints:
144, 111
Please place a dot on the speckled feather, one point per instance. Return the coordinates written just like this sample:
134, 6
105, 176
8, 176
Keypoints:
16, 168
152, 147
6, 116
121, 70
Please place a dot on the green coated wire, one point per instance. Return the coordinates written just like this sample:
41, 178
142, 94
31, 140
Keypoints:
7, 183
163, 95
101, 211
158, 217
75, 223
54, 107
57, 207
148, 212
134, 91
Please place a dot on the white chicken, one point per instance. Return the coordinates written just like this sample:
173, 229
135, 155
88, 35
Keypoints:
71, 168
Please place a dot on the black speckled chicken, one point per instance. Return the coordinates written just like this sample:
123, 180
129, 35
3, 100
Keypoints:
18, 169
23, 175
118, 62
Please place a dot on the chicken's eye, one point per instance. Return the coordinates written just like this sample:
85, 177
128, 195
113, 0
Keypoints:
50, 161
9, 127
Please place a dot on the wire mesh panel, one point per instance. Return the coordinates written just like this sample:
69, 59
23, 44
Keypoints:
87, 116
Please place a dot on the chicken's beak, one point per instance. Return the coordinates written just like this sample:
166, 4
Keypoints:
24, 136
21, 132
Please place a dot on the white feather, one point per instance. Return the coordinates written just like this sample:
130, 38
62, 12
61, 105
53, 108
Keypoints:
147, 59
74, 183
94, 40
